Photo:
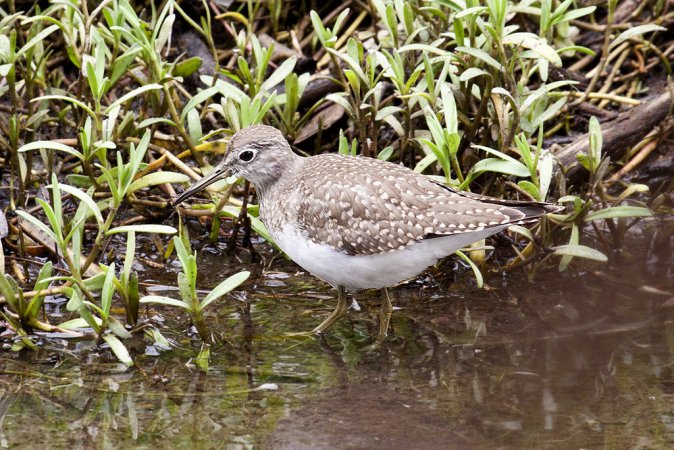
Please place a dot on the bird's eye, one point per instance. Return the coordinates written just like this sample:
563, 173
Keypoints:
246, 155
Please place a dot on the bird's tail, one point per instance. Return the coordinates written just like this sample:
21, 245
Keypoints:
535, 209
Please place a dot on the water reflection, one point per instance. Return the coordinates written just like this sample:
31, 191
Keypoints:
568, 362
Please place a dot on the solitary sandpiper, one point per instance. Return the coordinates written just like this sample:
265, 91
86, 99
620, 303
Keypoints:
356, 222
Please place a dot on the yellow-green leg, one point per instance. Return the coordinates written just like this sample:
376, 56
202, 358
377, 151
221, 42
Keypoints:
384, 314
338, 313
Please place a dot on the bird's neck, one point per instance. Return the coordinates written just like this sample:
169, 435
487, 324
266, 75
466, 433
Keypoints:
277, 173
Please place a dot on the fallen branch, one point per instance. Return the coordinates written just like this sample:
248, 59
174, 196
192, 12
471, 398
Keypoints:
619, 134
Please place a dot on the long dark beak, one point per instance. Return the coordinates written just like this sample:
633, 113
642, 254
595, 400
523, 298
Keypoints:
218, 173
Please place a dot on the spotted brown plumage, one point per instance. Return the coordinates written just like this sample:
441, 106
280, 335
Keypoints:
364, 206
356, 222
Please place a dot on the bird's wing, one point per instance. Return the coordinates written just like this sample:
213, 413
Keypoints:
370, 206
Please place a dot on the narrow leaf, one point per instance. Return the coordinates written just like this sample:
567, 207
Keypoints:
118, 349
635, 31
615, 212
129, 95
39, 145
224, 287
155, 178
88, 201
478, 274
161, 229
279, 74
580, 251
198, 99
160, 299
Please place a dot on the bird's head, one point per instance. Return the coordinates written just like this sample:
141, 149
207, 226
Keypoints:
258, 153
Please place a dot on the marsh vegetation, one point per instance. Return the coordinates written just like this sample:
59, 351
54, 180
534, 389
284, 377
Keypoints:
107, 109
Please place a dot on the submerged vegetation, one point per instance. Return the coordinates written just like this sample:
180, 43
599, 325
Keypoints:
104, 111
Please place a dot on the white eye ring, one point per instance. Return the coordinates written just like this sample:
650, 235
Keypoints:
247, 155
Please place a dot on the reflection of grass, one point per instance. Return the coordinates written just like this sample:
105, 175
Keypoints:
597, 388
162, 407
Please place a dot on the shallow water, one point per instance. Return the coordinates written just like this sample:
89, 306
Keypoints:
570, 361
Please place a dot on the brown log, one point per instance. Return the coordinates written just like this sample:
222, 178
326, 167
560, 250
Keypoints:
619, 134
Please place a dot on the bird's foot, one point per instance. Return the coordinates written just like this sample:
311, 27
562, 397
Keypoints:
384, 315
